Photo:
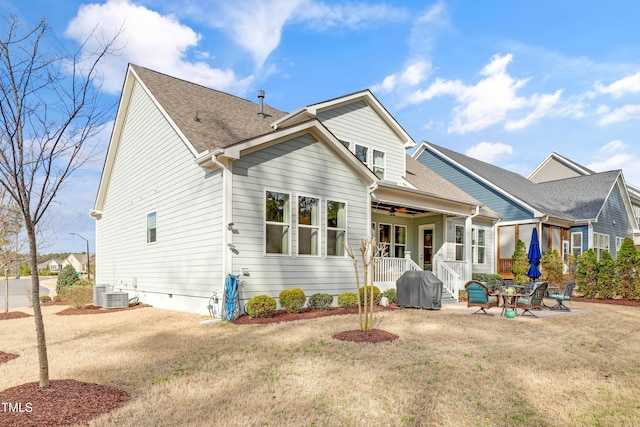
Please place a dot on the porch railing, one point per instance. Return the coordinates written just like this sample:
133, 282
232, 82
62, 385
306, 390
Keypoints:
450, 278
390, 269
504, 265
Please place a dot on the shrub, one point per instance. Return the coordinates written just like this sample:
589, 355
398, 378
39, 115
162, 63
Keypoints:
625, 268
44, 272
586, 273
520, 265
45, 298
320, 301
261, 306
391, 295
605, 287
347, 300
67, 277
376, 295
292, 300
552, 266
77, 296
494, 281
57, 298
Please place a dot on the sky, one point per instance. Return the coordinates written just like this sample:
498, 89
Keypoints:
506, 82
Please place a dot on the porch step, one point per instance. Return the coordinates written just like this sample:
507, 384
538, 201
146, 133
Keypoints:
447, 298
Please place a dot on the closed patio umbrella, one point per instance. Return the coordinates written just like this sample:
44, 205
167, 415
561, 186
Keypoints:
534, 256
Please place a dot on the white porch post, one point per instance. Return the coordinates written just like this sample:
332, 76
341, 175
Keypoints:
407, 257
468, 249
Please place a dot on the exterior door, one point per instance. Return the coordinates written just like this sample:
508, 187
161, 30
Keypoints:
426, 241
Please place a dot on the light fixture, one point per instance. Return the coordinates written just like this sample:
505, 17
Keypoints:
392, 211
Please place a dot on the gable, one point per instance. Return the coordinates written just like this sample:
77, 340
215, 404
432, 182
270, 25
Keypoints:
554, 168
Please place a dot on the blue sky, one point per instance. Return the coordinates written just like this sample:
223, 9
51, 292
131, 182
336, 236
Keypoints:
504, 81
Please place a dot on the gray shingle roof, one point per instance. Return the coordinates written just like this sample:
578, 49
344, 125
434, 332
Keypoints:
576, 198
223, 119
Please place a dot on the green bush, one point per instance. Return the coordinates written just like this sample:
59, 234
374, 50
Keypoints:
292, 300
551, 263
44, 272
494, 281
376, 295
586, 273
77, 296
67, 277
24, 270
520, 265
347, 300
57, 298
261, 306
45, 298
391, 295
320, 301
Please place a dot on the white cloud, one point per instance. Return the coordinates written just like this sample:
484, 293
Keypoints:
622, 114
629, 84
149, 39
615, 145
490, 152
414, 74
323, 16
543, 105
492, 99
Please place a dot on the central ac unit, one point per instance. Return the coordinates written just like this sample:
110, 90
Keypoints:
115, 300
98, 294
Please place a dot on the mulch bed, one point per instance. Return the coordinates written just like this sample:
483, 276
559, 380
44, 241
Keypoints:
370, 336
94, 309
305, 313
627, 302
13, 315
5, 357
63, 403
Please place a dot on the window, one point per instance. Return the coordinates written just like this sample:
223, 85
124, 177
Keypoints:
619, 241
576, 244
336, 228
308, 226
459, 243
151, 227
346, 144
400, 240
362, 153
384, 238
277, 223
600, 243
378, 163
478, 245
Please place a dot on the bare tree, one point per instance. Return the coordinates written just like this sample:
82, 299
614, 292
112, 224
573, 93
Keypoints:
10, 242
50, 109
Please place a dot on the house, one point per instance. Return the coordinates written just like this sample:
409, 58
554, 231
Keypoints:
555, 166
199, 184
572, 212
78, 261
53, 265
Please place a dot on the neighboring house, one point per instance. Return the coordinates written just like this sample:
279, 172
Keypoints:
53, 265
78, 261
572, 213
555, 166
199, 184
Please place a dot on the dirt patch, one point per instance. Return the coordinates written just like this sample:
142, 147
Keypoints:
5, 357
94, 309
13, 315
627, 302
64, 402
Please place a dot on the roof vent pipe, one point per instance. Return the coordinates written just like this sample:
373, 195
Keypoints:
261, 98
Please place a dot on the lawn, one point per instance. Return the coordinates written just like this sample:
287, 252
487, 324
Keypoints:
446, 369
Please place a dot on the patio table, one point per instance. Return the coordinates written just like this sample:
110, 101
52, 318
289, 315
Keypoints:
510, 301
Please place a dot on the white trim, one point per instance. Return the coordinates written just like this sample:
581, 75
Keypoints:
421, 229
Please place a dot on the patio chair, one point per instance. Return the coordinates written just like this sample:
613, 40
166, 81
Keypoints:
478, 295
562, 296
533, 300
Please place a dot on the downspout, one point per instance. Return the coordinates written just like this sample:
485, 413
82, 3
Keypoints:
226, 226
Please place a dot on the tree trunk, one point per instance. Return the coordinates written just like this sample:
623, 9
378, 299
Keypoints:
6, 290
37, 312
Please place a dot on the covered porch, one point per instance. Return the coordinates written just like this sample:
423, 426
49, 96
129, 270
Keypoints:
419, 233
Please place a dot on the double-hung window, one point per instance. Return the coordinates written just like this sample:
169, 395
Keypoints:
384, 239
362, 153
378, 165
151, 227
576, 244
459, 243
277, 223
308, 226
336, 227
399, 241
478, 238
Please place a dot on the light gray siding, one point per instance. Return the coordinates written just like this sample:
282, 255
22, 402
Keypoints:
299, 167
553, 170
359, 124
155, 171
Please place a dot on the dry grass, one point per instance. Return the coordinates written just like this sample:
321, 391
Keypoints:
446, 369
